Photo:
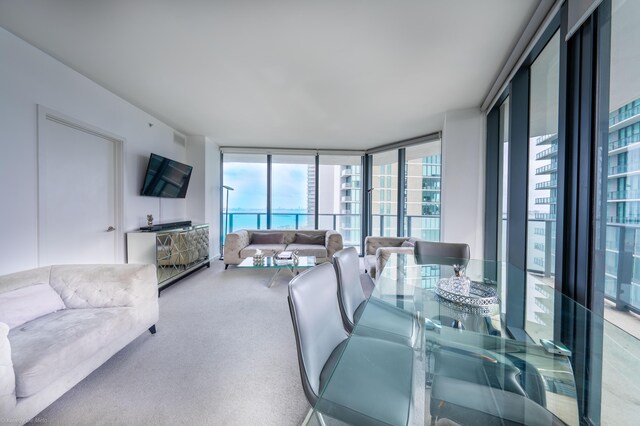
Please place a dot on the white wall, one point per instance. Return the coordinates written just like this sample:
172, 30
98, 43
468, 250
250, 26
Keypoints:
463, 160
29, 77
203, 198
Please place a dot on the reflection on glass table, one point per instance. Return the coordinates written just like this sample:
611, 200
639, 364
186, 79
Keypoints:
465, 368
270, 262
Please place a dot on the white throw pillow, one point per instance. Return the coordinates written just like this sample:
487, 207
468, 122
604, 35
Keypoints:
28, 303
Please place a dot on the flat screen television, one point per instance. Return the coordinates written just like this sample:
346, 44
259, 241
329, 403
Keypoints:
166, 178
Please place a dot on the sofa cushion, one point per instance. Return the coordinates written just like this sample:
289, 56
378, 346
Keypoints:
28, 303
309, 239
408, 243
267, 249
319, 251
267, 238
47, 348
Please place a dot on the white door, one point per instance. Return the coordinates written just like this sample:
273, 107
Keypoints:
77, 194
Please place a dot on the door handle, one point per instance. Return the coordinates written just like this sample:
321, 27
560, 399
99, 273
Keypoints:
111, 229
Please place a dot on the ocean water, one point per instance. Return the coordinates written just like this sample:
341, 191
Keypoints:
281, 219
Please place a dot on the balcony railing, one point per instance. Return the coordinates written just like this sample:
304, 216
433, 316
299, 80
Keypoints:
550, 184
350, 185
623, 293
347, 224
549, 168
624, 195
621, 143
623, 115
348, 171
386, 225
624, 168
545, 140
547, 153
547, 200
545, 216
633, 219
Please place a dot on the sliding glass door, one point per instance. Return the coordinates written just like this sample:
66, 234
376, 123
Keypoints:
542, 190
617, 278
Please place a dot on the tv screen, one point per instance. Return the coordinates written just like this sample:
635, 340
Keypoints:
166, 178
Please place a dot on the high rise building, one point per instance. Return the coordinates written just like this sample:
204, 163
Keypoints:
422, 198
622, 262
350, 196
622, 214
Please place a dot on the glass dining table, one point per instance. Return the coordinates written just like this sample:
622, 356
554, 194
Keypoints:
467, 367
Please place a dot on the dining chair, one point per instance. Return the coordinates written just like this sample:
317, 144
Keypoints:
372, 382
430, 252
382, 320
480, 387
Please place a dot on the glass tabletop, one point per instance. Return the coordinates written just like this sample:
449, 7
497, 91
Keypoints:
471, 367
271, 263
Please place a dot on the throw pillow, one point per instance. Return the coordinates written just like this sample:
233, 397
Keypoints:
407, 244
28, 303
309, 239
267, 238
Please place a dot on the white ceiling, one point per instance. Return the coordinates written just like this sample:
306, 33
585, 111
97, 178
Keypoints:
290, 73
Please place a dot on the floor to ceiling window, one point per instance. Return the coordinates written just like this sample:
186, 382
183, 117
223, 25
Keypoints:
340, 197
293, 189
247, 175
299, 193
384, 196
542, 191
422, 191
618, 277
622, 275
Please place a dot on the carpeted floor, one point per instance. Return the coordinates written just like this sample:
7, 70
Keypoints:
224, 354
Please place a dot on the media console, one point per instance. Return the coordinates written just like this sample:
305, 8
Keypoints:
176, 250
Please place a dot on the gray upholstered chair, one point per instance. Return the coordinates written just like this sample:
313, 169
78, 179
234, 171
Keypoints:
372, 381
473, 388
430, 252
382, 319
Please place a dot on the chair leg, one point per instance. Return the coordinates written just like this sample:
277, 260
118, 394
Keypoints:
320, 418
152, 329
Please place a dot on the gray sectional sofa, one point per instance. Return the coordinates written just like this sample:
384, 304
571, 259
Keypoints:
77, 317
319, 243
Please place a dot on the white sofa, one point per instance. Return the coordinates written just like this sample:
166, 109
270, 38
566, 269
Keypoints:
104, 308
238, 245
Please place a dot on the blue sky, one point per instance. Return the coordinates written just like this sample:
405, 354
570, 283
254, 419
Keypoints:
249, 181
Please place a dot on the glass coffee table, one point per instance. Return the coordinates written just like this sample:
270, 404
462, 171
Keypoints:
269, 262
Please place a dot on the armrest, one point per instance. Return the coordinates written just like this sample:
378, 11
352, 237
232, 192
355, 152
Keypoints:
105, 286
7, 375
233, 243
333, 242
371, 244
383, 254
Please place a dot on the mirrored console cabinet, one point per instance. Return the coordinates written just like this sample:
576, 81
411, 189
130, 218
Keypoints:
176, 252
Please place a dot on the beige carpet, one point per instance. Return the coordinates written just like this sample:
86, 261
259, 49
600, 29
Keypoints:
224, 354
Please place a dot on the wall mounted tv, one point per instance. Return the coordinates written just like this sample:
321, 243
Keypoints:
166, 178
